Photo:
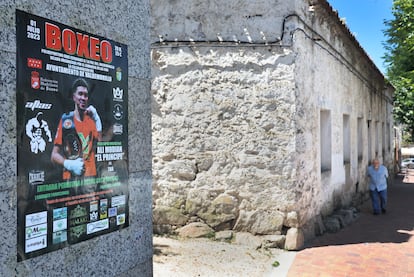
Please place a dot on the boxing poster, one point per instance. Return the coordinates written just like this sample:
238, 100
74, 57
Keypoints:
72, 135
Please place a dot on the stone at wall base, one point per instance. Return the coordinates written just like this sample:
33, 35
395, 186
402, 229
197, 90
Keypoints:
294, 239
332, 224
292, 219
244, 238
196, 230
259, 222
340, 219
273, 241
224, 235
162, 229
319, 226
168, 215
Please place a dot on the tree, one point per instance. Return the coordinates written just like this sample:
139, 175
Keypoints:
399, 58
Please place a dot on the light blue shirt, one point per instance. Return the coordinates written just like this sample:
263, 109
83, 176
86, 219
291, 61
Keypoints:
378, 178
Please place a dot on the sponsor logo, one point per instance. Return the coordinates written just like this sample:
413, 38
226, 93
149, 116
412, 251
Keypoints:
118, 200
121, 209
118, 129
78, 212
77, 231
36, 218
49, 85
34, 63
37, 130
67, 124
35, 80
97, 226
93, 216
103, 209
112, 212
60, 213
59, 225
93, 206
36, 231
118, 93
35, 244
60, 236
36, 177
93, 211
118, 74
118, 111
38, 105
79, 221
78, 216
120, 219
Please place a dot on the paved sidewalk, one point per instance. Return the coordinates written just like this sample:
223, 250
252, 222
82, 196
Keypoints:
373, 245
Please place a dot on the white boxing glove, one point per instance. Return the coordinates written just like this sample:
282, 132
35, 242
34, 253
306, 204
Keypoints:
75, 166
94, 114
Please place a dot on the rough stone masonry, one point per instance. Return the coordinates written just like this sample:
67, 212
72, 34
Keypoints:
216, 154
239, 89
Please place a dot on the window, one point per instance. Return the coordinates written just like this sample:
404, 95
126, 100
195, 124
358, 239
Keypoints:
325, 140
360, 143
388, 137
377, 136
346, 139
383, 142
369, 125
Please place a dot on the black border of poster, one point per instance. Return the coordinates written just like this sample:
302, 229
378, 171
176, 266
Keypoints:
72, 135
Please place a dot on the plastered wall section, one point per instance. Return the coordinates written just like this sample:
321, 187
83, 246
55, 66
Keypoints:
334, 74
235, 20
124, 253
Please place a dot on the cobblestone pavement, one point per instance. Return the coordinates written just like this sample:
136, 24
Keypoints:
373, 245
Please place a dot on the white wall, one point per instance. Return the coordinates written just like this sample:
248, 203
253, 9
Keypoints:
334, 74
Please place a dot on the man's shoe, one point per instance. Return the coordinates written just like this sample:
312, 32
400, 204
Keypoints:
384, 211
375, 213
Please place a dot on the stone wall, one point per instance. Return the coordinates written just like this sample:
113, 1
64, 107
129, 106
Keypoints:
129, 251
236, 123
223, 148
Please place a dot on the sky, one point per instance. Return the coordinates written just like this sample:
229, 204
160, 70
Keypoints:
365, 19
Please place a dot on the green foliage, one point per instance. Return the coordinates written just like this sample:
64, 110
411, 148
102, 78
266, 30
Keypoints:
399, 58
210, 235
275, 264
407, 140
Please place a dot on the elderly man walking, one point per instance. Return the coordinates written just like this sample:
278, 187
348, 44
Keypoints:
378, 186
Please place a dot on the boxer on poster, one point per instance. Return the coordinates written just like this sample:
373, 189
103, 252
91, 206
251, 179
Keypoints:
76, 136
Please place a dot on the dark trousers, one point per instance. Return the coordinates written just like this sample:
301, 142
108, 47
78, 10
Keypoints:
379, 200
